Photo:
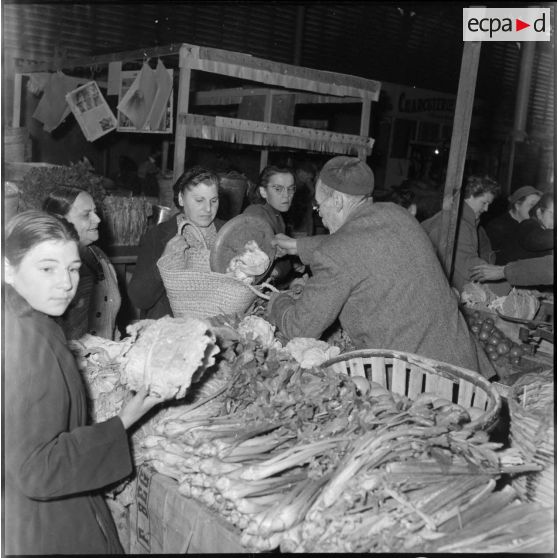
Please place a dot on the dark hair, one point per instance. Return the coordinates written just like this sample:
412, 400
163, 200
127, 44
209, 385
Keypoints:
478, 185
25, 230
403, 197
191, 178
544, 203
60, 201
265, 177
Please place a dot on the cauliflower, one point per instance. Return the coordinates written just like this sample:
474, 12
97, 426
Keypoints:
477, 295
167, 355
309, 352
259, 330
248, 265
517, 304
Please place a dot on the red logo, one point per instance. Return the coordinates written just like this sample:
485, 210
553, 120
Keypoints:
519, 25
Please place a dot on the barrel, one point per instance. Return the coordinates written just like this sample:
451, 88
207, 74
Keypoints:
16, 145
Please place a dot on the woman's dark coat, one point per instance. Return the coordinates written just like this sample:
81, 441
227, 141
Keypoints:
55, 465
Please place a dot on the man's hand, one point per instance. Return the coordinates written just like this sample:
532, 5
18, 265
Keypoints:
487, 272
297, 286
285, 245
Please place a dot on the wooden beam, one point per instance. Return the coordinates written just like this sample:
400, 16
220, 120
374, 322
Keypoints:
245, 66
458, 149
100, 59
252, 132
183, 99
234, 96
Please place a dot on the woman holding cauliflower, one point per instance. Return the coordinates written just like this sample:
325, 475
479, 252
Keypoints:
55, 464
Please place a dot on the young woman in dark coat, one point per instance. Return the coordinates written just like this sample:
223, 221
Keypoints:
54, 463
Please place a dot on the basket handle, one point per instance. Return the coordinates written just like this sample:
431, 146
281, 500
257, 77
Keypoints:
197, 232
262, 286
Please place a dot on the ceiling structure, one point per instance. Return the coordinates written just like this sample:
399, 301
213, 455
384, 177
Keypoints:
411, 43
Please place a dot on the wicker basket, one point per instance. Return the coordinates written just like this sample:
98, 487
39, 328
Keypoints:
410, 375
203, 294
532, 431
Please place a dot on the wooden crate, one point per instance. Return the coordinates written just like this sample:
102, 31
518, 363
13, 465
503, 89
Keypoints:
410, 375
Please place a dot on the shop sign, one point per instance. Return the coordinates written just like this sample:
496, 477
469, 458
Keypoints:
425, 104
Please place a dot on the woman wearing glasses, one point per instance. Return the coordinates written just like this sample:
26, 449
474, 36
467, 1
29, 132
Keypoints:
273, 197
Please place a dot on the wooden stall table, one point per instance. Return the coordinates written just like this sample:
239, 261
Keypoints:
163, 521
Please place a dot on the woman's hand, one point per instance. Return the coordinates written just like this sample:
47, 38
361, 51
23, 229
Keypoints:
139, 404
285, 245
487, 272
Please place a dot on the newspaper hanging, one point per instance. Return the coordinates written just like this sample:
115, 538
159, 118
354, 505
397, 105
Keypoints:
91, 111
145, 100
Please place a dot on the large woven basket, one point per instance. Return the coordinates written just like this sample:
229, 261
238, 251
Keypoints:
410, 375
202, 294
532, 431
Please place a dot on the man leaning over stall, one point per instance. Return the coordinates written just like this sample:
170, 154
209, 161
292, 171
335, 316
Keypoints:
377, 272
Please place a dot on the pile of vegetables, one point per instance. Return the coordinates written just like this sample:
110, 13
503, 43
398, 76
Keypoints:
518, 303
125, 219
310, 460
499, 348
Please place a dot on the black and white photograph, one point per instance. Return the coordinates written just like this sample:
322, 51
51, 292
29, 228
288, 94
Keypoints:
91, 111
278, 277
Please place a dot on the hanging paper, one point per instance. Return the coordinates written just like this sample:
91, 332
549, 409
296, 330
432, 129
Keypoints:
138, 100
113, 80
154, 122
52, 108
91, 111
164, 88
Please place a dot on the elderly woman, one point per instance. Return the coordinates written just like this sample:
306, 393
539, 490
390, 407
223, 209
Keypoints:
472, 246
95, 307
196, 194
54, 463
503, 230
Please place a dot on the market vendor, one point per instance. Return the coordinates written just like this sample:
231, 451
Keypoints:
55, 464
273, 197
472, 245
95, 307
377, 272
196, 195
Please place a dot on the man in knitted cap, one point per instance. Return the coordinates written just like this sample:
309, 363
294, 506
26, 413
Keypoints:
376, 272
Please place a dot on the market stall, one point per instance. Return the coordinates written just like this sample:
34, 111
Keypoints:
262, 131
299, 447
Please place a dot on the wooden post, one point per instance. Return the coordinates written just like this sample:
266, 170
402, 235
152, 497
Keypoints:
182, 108
458, 149
264, 154
364, 124
16, 113
165, 156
